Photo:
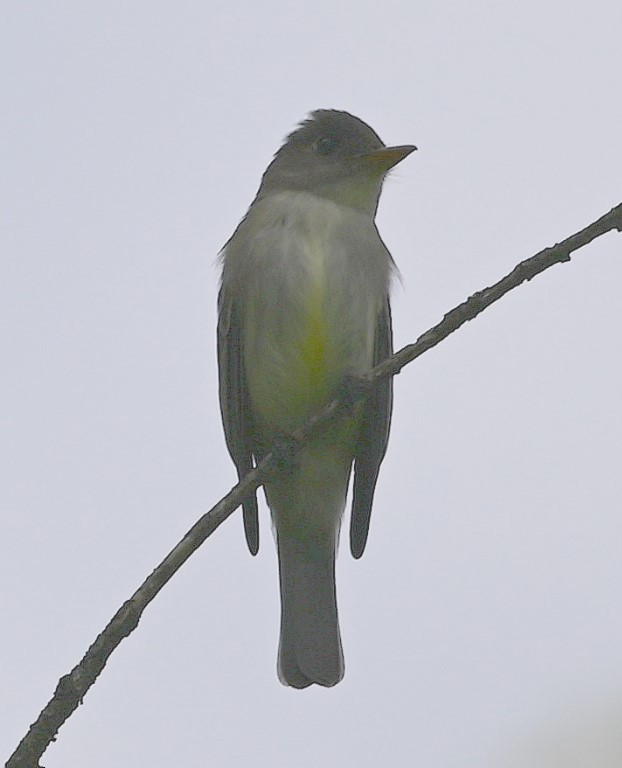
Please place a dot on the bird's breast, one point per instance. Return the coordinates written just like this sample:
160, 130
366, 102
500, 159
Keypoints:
321, 277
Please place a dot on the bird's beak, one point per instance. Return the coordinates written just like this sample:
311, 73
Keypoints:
383, 159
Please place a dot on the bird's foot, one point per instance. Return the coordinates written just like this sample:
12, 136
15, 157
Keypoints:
284, 449
353, 390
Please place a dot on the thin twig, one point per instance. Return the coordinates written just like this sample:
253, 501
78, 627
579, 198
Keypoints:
72, 688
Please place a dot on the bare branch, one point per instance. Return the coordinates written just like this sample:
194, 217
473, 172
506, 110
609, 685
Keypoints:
479, 301
72, 688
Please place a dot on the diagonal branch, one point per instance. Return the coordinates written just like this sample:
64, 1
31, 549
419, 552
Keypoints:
72, 687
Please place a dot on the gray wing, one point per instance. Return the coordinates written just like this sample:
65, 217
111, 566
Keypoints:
235, 406
373, 438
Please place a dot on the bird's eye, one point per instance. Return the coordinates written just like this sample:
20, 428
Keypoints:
325, 145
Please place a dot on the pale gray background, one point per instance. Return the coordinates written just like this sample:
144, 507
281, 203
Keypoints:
483, 626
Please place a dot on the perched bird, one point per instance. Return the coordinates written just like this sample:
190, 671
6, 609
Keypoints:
304, 306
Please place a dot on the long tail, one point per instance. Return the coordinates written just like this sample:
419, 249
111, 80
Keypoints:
310, 646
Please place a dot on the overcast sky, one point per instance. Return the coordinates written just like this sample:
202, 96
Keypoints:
483, 626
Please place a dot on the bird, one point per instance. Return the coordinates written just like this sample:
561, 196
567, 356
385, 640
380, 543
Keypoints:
303, 308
